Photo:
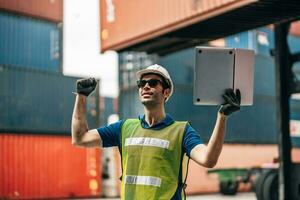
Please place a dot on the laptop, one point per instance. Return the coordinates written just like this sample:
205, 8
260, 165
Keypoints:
217, 69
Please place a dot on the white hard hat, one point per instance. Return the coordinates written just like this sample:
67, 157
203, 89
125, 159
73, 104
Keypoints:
157, 69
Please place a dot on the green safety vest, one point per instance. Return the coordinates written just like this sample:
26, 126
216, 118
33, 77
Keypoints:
151, 161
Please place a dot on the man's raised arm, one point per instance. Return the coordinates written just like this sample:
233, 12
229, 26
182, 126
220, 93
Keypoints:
208, 155
81, 135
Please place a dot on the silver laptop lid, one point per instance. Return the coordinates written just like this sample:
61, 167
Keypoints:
217, 69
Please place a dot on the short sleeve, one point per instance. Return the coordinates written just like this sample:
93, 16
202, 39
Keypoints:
110, 134
191, 139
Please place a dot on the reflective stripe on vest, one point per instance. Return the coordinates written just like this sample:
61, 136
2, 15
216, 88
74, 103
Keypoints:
143, 180
151, 161
147, 141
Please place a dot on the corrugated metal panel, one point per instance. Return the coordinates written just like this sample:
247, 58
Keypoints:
181, 68
163, 27
44, 167
37, 101
45, 9
27, 42
147, 19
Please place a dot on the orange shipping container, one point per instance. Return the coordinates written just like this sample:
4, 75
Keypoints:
125, 23
40, 166
51, 10
295, 28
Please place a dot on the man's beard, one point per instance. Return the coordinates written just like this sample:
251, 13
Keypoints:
149, 103
152, 102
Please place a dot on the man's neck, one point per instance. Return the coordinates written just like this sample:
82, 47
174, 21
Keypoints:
154, 115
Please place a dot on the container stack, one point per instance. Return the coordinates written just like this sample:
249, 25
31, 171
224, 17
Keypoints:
31, 34
180, 65
36, 104
251, 131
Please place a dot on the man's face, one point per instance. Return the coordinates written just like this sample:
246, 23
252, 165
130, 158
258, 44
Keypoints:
153, 95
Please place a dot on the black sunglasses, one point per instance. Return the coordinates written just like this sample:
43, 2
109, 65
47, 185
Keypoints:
152, 83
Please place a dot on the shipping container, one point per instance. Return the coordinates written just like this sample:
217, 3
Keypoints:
260, 40
30, 43
40, 102
51, 10
130, 63
295, 120
244, 40
47, 167
295, 28
108, 106
148, 19
181, 67
129, 104
164, 27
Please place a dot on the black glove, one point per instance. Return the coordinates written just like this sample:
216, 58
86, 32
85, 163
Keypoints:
86, 86
232, 102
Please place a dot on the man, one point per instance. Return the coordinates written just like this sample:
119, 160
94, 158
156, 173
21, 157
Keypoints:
154, 148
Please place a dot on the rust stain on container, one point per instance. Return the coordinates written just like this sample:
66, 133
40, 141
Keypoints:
51, 10
38, 166
125, 23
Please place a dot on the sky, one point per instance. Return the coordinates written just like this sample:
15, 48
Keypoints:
81, 46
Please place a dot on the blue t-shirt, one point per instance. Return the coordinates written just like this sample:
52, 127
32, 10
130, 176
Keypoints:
110, 136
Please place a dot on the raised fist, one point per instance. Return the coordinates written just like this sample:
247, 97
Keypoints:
86, 86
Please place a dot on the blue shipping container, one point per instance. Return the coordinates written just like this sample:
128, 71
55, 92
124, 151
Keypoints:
261, 40
30, 43
35, 101
107, 108
244, 40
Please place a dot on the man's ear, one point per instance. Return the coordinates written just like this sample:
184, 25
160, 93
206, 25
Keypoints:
167, 92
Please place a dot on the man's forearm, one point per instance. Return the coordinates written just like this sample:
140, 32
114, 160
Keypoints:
79, 123
214, 146
208, 155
